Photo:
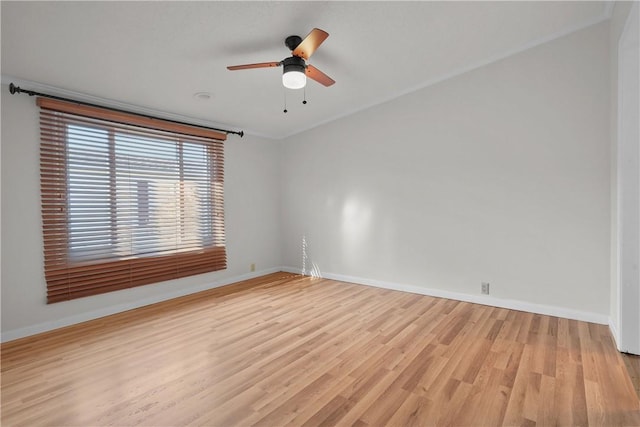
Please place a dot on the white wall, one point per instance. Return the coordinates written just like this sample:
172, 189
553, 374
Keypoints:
252, 209
498, 175
616, 25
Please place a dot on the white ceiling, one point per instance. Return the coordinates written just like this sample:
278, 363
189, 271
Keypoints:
156, 55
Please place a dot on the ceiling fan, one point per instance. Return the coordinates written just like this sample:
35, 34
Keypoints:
295, 70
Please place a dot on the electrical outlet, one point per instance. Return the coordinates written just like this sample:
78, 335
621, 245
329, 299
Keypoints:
253, 267
484, 288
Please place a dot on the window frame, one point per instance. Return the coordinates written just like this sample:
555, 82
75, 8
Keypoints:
69, 278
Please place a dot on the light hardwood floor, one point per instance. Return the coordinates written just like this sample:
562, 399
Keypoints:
633, 367
286, 349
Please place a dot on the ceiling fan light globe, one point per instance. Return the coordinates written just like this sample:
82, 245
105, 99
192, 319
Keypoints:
294, 79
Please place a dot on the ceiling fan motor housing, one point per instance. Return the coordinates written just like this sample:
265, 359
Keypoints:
293, 63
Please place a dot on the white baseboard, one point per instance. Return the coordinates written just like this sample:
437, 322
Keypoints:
614, 332
477, 299
107, 311
548, 310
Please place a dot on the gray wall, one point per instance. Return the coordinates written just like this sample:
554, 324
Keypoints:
500, 175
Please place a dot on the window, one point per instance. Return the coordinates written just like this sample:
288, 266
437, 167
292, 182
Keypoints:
126, 200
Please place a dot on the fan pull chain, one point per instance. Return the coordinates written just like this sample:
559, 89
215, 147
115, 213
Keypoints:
304, 100
284, 92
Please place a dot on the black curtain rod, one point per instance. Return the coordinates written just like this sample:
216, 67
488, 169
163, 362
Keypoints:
16, 89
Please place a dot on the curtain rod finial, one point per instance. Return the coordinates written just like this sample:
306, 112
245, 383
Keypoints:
13, 88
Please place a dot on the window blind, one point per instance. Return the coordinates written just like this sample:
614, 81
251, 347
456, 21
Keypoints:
126, 200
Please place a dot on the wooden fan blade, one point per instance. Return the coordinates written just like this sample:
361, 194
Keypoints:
310, 43
258, 65
317, 75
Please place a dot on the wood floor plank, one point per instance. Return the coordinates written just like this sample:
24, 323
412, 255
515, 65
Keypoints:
633, 368
285, 349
